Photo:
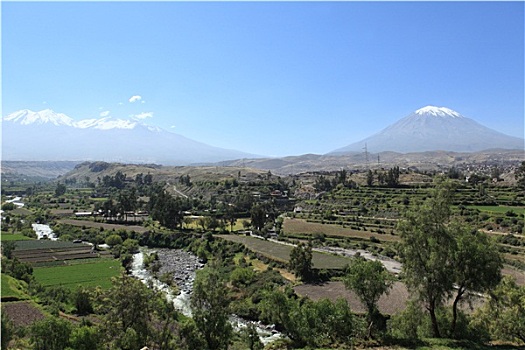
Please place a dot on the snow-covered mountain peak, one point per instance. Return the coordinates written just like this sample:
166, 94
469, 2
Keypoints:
48, 116
438, 112
27, 117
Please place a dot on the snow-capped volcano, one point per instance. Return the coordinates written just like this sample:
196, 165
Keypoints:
47, 116
438, 112
435, 129
46, 135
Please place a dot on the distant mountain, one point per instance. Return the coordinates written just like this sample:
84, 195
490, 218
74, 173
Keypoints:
46, 135
435, 129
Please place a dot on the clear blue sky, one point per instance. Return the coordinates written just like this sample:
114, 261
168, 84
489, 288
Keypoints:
272, 78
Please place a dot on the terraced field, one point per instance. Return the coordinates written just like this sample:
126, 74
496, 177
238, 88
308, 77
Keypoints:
43, 251
281, 252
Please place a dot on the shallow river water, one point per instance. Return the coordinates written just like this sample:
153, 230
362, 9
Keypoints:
184, 266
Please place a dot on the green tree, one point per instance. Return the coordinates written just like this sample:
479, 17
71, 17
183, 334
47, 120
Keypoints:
7, 330
60, 189
210, 307
519, 175
85, 338
369, 280
504, 313
51, 333
7, 248
301, 261
369, 178
127, 323
477, 265
425, 249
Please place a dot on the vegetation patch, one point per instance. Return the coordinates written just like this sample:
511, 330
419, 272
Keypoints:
13, 237
281, 252
86, 275
299, 226
11, 289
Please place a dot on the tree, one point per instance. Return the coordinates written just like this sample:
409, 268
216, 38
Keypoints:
210, 309
444, 258
127, 323
60, 190
369, 280
7, 248
477, 265
301, 261
229, 216
51, 333
504, 313
258, 216
519, 175
425, 252
369, 178
7, 330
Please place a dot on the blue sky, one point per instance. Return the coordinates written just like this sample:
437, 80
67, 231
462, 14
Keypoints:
271, 78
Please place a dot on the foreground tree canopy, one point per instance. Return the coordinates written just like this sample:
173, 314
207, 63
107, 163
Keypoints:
439, 253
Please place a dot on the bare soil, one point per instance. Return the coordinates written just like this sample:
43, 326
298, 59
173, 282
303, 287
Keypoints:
389, 304
22, 313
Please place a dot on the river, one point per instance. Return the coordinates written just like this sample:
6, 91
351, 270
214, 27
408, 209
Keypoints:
184, 266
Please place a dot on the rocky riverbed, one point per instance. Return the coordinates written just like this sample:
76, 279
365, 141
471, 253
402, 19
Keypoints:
182, 264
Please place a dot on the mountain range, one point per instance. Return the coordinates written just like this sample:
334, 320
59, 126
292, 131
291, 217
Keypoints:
434, 129
50, 136
46, 135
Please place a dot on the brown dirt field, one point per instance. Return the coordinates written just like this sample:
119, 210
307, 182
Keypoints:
517, 274
389, 304
139, 229
22, 313
300, 226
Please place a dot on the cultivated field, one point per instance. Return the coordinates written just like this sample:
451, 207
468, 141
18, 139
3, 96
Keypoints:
302, 227
90, 274
281, 252
44, 251
92, 224
22, 313
13, 237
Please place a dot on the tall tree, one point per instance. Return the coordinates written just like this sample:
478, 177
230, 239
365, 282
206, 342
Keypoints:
425, 251
210, 309
369, 280
301, 261
477, 265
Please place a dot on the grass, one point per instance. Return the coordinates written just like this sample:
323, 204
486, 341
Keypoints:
500, 209
11, 288
13, 237
281, 252
91, 274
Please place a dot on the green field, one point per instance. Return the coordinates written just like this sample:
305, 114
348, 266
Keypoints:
281, 252
13, 237
11, 288
90, 274
502, 209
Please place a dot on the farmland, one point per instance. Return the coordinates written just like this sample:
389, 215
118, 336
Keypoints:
281, 252
40, 252
90, 274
